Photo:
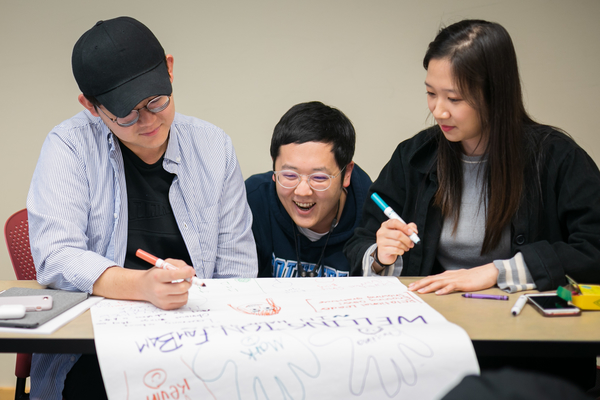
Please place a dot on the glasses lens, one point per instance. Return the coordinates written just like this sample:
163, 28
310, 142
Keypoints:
130, 119
155, 105
288, 179
320, 181
158, 104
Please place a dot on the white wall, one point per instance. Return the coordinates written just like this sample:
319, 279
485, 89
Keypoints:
242, 64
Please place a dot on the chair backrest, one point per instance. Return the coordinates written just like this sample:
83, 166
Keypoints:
16, 234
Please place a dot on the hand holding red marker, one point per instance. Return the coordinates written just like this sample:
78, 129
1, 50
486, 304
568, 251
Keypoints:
160, 263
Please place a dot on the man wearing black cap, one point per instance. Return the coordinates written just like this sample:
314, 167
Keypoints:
129, 173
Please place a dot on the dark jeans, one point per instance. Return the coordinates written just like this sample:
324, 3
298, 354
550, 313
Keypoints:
84, 381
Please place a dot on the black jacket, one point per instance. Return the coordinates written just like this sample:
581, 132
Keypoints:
557, 226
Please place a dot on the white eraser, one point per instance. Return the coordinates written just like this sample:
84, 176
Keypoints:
12, 311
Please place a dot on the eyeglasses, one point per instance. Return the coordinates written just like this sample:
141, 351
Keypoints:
155, 105
318, 181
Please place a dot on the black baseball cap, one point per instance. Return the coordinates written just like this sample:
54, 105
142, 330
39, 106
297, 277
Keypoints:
120, 62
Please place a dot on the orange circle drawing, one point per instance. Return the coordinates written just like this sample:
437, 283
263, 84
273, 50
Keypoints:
154, 378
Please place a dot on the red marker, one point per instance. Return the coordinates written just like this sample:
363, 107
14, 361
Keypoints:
160, 263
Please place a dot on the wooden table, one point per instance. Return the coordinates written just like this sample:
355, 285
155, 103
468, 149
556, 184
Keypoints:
75, 337
494, 331
489, 324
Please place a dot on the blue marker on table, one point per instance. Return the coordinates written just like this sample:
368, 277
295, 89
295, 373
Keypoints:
391, 214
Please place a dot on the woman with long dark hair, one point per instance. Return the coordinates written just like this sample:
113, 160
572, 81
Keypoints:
496, 198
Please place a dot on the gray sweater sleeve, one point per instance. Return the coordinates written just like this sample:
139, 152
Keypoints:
513, 274
392, 270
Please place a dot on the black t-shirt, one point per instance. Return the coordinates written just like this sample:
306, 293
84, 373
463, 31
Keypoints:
151, 223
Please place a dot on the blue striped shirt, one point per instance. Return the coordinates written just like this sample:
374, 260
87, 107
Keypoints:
77, 208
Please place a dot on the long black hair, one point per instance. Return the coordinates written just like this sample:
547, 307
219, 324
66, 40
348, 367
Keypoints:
485, 72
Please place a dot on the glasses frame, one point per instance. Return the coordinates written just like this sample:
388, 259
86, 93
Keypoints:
137, 118
331, 178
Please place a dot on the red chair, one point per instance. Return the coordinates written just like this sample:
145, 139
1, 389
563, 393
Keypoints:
16, 234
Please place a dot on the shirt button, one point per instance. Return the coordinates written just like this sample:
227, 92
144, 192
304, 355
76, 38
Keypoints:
178, 159
185, 225
72, 359
520, 239
115, 215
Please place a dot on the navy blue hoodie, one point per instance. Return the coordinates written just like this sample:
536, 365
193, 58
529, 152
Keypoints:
274, 230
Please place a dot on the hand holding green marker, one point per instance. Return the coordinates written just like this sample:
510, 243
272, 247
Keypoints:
391, 214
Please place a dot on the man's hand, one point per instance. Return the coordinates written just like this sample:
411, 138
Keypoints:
460, 280
393, 240
158, 288
154, 285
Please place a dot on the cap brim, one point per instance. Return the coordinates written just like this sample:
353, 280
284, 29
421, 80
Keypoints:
121, 100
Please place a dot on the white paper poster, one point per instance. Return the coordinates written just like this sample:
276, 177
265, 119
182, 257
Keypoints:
294, 338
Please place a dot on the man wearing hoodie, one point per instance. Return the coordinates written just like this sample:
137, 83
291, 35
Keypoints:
306, 209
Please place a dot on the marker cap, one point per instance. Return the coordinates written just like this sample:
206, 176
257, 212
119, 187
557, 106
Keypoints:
379, 201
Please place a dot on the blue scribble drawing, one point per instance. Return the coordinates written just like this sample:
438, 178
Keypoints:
274, 365
393, 368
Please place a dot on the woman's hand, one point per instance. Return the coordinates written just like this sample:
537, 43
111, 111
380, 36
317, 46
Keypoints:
460, 280
393, 240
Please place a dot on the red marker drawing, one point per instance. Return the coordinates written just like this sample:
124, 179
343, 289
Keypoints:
160, 263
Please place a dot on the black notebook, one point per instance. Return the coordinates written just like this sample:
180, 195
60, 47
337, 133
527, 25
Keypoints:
62, 300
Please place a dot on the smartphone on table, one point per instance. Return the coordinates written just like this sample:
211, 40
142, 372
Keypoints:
31, 303
550, 305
